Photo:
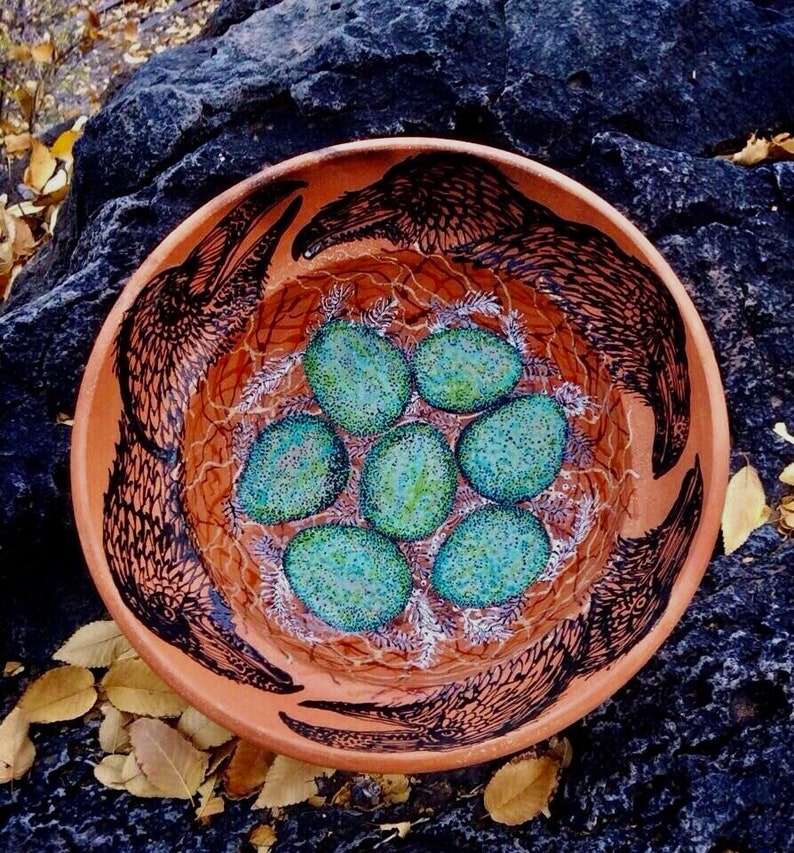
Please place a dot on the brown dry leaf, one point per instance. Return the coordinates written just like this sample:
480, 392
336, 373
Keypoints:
114, 735
28, 98
96, 644
755, 150
289, 781
562, 748
133, 687
17, 143
109, 771
745, 508
41, 167
787, 475
263, 837
220, 755
60, 694
135, 780
43, 53
204, 732
13, 667
782, 147
395, 788
169, 761
209, 803
16, 749
131, 31
785, 516
247, 770
19, 52
522, 789
401, 829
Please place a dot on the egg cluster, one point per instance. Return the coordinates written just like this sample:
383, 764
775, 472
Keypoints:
357, 578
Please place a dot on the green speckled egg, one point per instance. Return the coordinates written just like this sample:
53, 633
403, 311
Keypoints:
465, 370
408, 482
360, 379
492, 555
514, 451
296, 467
352, 578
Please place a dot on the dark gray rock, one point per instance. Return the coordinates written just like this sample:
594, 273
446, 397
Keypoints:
693, 754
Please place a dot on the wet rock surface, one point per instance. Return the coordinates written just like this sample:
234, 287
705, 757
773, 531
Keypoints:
627, 97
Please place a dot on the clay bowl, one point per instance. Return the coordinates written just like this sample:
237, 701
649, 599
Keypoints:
402, 455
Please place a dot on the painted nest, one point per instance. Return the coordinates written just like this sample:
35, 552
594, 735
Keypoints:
402, 455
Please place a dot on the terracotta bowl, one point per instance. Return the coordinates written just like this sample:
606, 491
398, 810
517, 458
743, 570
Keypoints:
401, 455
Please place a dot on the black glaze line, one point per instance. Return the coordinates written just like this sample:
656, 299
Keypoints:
180, 323
624, 606
462, 206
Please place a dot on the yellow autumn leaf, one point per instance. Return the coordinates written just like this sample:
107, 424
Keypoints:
60, 694
41, 167
400, 829
247, 769
787, 475
17, 143
114, 735
108, 771
13, 667
781, 147
96, 644
63, 145
289, 781
745, 508
262, 837
785, 515
209, 803
395, 788
204, 732
27, 97
755, 150
19, 52
781, 430
55, 189
135, 780
169, 761
522, 789
133, 687
43, 53
16, 749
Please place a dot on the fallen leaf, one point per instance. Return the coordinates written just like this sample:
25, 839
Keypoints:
289, 781
95, 644
562, 748
135, 780
43, 53
781, 430
787, 475
755, 150
781, 147
60, 694
169, 761
785, 515
745, 508
41, 167
395, 788
28, 97
17, 143
401, 829
263, 837
209, 803
133, 687
204, 732
108, 771
114, 735
63, 145
131, 31
13, 667
19, 52
522, 789
247, 770
220, 755
16, 749
56, 188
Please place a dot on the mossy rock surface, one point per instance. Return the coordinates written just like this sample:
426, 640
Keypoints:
408, 482
353, 578
514, 451
296, 467
360, 379
465, 370
493, 555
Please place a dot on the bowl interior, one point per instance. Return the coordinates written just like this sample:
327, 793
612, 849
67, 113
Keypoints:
467, 359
